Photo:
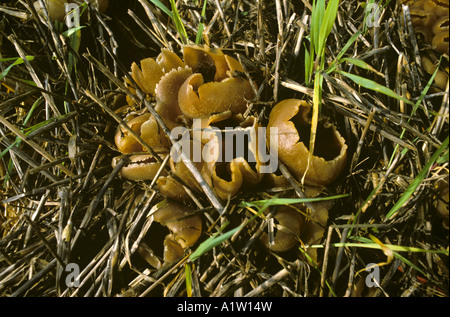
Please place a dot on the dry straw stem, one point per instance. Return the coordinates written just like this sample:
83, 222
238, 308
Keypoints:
34, 145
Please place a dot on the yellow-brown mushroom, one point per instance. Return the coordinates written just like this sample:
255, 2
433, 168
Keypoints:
234, 159
185, 227
441, 77
290, 117
167, 105
102, 5
215, 85
294, 224
170, 187
140, 167
430, 19
150, 71
199, 99
144, 126
57, 11
289, 224
213, 64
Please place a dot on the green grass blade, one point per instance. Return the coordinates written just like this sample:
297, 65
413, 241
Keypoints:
361, 64
201, 25
318, 11
308, 66
327, 24
370, 84
348, 44
178, 23
363, 242
18, 140
17, 61
418, 180
162, 7
217, 239
71, 31
212, 242
287, 201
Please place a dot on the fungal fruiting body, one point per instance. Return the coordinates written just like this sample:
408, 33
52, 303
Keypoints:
215, 85
294, 224
430, 19
290, 117
204, 96
442, 201
207, 86
57, 11
184, 226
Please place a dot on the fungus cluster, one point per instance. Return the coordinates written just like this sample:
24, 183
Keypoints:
208, 86
430, 19
208, 89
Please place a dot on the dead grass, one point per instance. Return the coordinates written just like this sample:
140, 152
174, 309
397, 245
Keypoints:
63, 203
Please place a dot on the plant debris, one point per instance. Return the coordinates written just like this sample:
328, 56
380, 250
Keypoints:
71, 225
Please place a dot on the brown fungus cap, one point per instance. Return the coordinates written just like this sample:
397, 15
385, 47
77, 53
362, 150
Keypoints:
213, 64
431, 15
144, 126
170, 187
150, 71
289, 224
198, 99
139, 167
215, 85
226, 176
290, 117
438, 7
442, 201
294, 223
184, 225
167, 96
56, 9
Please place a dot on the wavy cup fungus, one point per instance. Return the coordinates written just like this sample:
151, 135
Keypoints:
215, 85
293, 224
430, 19
290, 117
184, 225
139, 167
144, 126
150, 71
289, 224
170, 186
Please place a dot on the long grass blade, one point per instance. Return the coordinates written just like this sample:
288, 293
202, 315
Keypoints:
372, 85
17, 61
178, 23
418, 180
212, 242
162, 7
287, 201
201, 25
327, 24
